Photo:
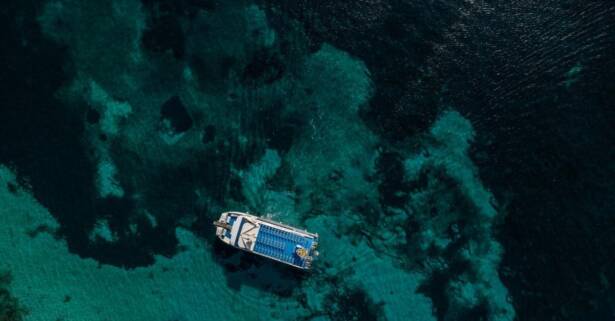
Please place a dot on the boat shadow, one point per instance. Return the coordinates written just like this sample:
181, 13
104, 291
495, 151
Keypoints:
246, 269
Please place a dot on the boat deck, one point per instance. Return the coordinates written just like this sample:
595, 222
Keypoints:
280, 244
231, 220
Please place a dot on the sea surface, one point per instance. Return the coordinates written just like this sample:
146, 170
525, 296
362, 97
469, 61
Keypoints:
456, 157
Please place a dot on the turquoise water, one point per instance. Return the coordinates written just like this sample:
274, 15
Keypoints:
150, 118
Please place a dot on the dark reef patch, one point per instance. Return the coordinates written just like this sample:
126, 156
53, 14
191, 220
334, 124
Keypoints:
436, 286
265, 67
184, 8
212, 72
393, 188
92, 116
209, 134
280, 128
164, 33
11, 187
42, 228
478, 313
174, 111
10, 308
435, 289
169, 191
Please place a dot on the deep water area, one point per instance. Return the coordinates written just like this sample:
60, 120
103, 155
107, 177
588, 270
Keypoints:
456, 157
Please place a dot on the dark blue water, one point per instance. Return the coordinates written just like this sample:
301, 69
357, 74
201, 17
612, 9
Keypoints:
468, 144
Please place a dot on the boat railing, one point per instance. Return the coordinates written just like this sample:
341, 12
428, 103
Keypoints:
223, 225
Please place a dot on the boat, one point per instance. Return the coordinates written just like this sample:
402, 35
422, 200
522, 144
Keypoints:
265, 237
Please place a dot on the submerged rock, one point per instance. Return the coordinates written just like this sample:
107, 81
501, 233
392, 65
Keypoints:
175, 112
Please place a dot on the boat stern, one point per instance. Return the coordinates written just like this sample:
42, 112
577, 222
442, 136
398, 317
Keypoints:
224, 225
